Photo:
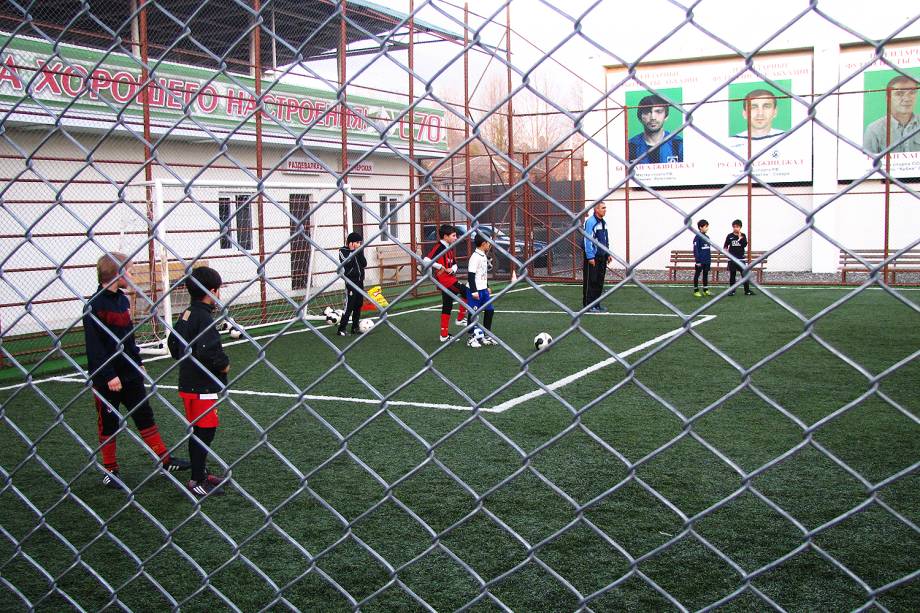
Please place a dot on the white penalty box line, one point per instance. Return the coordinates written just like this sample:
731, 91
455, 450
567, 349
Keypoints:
79, 377
508, 404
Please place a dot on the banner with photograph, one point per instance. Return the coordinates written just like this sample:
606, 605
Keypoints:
880, 111
699, 122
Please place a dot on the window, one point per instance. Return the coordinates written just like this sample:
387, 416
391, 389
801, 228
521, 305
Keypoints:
240, 220
388, 204
357, 214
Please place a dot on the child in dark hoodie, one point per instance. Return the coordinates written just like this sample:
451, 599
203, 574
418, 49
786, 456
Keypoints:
353, 262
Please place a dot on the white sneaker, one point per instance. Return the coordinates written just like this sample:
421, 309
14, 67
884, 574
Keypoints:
489, 341
444, 339
474, 343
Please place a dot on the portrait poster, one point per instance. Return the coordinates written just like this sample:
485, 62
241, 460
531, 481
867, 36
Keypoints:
877, 87
706, 102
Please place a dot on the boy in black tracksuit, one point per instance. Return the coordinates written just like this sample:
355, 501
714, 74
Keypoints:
353, 266
203, 369
702, 257
115, 367
736, 244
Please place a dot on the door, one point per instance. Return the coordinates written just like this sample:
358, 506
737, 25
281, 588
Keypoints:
299, 205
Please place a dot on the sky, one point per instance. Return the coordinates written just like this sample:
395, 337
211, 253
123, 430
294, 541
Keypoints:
562, 47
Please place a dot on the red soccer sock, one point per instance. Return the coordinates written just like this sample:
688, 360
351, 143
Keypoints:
461, 312
445, 324
109, 459
151, 436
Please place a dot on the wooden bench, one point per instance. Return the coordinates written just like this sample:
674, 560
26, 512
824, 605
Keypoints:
907, 262
683, 260
140, 273
392, 257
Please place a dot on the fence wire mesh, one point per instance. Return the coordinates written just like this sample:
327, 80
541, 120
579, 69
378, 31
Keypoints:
664, 450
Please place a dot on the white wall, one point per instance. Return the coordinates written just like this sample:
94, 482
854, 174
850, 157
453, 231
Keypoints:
73, 211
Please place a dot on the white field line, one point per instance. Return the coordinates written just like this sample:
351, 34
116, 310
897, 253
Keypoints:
587, 371
373, 401
61, 378
689, 284
609, 313
148, 358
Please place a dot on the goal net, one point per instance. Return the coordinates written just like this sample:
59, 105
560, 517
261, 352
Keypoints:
274, 244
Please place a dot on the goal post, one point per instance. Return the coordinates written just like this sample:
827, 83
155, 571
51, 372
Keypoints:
277, 265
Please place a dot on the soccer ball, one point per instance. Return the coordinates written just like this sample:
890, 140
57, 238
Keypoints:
235, 333
365, 325
542, 341
333, 317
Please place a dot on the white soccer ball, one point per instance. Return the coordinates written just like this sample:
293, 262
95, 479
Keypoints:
542, 341
365, 325
235, 333
333, 317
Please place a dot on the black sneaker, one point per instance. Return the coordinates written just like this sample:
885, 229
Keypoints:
176, 464
200, 489
731, 293
748, 292
342, 333
113, 481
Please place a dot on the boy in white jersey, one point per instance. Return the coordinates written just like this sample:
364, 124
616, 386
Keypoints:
477, 293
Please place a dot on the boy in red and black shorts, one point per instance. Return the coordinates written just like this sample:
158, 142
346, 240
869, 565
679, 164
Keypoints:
203, 372
443, 261
115, 366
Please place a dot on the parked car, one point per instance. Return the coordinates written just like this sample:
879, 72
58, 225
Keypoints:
498, 238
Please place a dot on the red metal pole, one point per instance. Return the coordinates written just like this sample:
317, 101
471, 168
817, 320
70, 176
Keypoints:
343, 43
626, 185
750, 184
510, 127
148, 162
466, 109
260, 201
414, 201
887, 177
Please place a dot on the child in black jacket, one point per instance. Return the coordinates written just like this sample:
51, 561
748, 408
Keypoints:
353, 262
203, 372
736, 243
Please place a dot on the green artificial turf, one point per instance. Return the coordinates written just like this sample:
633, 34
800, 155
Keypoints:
770, 447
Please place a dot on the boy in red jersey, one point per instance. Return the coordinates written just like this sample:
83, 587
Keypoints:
443, 261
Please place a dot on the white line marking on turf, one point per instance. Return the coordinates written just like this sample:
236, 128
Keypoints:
375, 401
154, 358
619, 314
64, 378
587, 371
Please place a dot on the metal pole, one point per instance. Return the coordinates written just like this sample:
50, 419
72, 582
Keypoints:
510, 129
148, 162
413, 202
887, 178
466, 108
260, 200
626, 184
750, 183
343, 43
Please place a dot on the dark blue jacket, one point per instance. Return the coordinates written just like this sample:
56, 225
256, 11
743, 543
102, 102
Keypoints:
702, 253
106, 324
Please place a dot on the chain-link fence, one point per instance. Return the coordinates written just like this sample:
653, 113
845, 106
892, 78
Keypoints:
612, 427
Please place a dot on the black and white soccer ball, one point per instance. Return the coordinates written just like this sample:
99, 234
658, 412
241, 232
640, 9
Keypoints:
542, 341
333, 317
366, 325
